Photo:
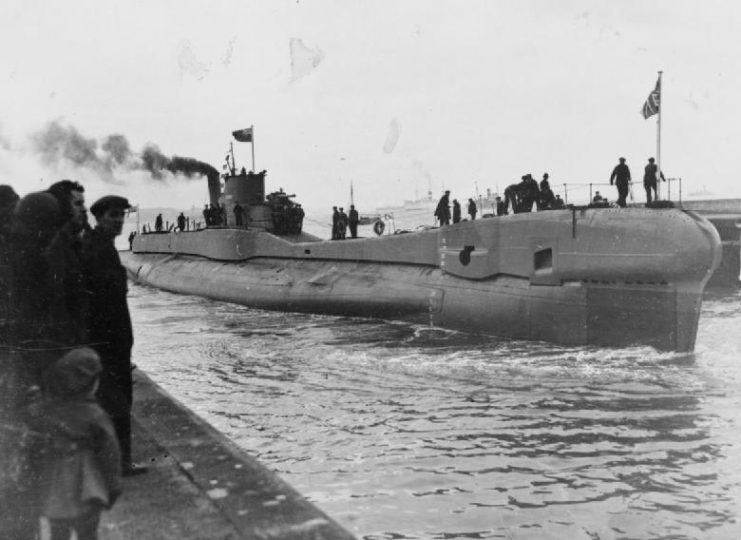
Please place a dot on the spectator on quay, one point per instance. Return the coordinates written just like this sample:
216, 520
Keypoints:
80, 469
33, 332
110, 323
64, 257
8, 199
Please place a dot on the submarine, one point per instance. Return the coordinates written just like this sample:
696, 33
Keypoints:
608, 277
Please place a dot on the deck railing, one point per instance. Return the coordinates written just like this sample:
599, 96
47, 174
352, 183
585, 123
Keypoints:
584, 193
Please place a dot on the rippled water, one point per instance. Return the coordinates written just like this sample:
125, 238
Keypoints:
402, 431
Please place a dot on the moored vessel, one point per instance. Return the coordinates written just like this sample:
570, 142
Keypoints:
601, 276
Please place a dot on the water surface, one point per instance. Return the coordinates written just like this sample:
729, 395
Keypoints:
404, 431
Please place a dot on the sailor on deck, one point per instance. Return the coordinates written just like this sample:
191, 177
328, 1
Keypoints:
649, 179
353, 220
238, 210
621, 178
456, 211
335, 223
442, 212
472, 209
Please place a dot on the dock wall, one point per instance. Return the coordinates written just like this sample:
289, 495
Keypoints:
201, 485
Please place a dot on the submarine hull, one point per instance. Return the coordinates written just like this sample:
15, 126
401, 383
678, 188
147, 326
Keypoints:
571, 278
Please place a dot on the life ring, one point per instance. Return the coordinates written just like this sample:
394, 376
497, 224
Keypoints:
378, 227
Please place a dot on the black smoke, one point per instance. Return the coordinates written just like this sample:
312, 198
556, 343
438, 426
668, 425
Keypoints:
157, 163
117, 149
58, 144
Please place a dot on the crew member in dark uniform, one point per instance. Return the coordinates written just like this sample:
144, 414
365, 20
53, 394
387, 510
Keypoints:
621, 178
342, 225
649, 179
501, 206
558, 203
110, 324
529, 193
442, 212
181, 222
299, 218
353, 220
456, 211
335, 223
472, 209
158, 223
545, 199
238, 214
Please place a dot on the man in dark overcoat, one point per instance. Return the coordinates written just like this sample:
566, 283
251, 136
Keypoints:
110, 324
621, 178
353, 220
442, 212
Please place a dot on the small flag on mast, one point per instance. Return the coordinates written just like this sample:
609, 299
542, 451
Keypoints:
653, 103
243, 135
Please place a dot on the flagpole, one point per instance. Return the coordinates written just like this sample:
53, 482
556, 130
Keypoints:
253, 148
658, 137
234, 163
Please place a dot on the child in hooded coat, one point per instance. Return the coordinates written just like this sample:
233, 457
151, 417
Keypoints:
81, 467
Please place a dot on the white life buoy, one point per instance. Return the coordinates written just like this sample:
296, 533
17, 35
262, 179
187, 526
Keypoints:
378, 227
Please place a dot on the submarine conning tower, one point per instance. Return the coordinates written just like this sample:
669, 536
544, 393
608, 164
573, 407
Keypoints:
247, 189
275, 213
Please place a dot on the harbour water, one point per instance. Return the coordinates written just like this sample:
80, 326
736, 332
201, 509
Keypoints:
403, 431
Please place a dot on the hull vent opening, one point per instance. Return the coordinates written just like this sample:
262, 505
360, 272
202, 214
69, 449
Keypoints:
543, 261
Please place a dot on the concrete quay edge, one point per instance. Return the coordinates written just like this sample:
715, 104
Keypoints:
201, 485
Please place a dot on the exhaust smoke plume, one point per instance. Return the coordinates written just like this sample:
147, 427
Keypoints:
156, 163
57, 144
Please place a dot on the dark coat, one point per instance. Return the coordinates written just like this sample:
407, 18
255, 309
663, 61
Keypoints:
456, 211
620, 175
81, 467
110, 324
649, 174
353, 216
442, 212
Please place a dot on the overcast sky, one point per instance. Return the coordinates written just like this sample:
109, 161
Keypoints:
395, 96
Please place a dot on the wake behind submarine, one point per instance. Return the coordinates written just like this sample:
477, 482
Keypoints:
578, 276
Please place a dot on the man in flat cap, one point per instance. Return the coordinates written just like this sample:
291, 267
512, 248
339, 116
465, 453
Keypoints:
621, 178
650, 178
110, 324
